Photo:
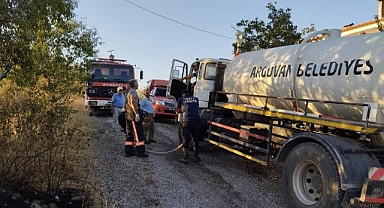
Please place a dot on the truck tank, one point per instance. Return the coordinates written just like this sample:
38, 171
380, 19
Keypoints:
349, 69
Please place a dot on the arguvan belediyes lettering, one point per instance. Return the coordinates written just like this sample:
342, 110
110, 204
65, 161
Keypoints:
355, 66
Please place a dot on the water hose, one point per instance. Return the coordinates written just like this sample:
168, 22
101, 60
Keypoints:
163, 153
151, 151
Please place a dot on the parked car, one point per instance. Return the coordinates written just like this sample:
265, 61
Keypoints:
156, 83
164, 106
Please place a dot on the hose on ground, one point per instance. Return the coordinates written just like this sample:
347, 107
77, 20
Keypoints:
163, 153
151, 151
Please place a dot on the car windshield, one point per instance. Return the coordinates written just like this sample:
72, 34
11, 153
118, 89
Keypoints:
161, 92
112, 73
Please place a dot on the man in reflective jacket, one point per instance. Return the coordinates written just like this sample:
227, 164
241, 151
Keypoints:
134, 123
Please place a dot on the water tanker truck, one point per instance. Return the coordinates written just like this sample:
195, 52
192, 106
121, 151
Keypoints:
316, 107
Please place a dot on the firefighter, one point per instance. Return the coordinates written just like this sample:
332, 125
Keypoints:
190, 124
134, 129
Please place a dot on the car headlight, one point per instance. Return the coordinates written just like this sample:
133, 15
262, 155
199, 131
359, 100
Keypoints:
160, 103
92, 91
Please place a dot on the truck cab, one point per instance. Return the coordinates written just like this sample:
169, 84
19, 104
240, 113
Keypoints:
204, 86
106, 75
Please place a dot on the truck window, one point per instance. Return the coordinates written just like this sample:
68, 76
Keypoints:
161, 92
200, 71
113, 73
210, 71
152, 93
100, 73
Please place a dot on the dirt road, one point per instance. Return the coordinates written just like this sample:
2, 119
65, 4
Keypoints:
222, 179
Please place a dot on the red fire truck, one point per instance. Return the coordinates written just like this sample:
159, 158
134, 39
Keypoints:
106, 75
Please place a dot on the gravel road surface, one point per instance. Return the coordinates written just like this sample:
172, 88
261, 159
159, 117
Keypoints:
222, 179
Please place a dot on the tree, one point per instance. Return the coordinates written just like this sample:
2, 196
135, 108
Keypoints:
279, 31
50, 48
45, 41
51, 51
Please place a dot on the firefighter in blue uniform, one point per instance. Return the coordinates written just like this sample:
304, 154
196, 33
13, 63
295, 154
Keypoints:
190, 124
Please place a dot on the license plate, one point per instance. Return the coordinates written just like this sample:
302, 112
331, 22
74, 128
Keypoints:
370, 205
377, 192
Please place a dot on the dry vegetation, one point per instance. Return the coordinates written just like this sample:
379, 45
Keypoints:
44, 141
45, 145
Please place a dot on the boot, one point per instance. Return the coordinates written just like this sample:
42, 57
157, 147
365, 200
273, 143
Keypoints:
185, 156
140, 151
196, 157
130, 154
129, 151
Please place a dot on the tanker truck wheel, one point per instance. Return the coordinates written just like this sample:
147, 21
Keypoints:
310, 178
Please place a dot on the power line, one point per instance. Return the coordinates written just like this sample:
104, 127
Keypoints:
175, 21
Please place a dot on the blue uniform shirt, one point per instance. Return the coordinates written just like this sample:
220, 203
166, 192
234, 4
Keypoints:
189, 107
118, 101
146, 105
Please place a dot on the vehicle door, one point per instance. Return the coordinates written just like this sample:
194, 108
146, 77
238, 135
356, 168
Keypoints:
179, 69
205, 83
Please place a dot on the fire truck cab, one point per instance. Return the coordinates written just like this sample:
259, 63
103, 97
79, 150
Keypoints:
105, 76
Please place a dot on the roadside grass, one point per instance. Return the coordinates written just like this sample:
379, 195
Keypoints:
88, 162
46, 147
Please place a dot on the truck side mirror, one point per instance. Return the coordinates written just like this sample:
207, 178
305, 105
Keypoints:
141, 74
93, 76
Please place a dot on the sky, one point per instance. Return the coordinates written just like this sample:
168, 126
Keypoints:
152, 41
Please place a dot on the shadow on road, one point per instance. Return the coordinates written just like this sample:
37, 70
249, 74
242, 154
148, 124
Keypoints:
166, 120
101, 113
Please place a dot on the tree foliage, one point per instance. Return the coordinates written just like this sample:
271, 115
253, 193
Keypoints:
45, 41
279, 31
51, 50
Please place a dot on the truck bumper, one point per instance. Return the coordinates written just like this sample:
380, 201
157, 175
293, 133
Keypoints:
165, 111
98, 104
